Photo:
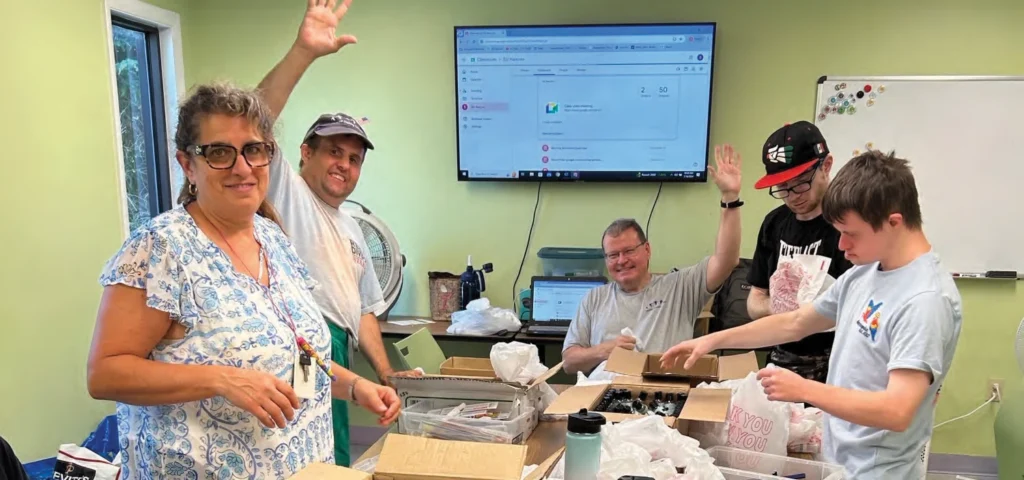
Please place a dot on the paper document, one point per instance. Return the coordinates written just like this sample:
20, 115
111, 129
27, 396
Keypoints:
408, 323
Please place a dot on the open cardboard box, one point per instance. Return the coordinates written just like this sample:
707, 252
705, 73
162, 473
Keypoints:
709, 368
322, 471
468, 367
641, 372
475, 389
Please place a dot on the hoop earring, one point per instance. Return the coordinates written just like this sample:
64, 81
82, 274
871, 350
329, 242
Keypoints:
192, 189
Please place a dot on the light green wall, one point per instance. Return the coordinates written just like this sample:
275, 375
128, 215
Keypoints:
769, 56
62, 218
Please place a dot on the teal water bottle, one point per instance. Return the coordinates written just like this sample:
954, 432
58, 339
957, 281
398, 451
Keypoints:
583, 445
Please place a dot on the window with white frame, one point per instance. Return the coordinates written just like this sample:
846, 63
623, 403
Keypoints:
145, 52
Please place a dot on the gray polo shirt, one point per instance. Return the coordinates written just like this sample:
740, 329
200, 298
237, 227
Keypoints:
661, 315
907, 318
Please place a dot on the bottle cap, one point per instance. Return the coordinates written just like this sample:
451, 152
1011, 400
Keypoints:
585, 422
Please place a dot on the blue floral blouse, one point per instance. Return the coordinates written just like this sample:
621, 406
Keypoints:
230, 320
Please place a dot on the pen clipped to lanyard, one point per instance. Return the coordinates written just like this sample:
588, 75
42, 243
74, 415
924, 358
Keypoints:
304, 345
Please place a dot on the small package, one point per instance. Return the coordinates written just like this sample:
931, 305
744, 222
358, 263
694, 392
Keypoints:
80, 463
798, 280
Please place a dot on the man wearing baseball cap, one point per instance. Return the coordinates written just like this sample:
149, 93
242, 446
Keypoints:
797, 164
327, 238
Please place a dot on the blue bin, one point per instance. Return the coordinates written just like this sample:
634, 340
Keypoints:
572, 261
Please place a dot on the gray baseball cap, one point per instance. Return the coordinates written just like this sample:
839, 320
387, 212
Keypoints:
337, 124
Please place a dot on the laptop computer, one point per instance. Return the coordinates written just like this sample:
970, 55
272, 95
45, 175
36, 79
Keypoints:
555, 300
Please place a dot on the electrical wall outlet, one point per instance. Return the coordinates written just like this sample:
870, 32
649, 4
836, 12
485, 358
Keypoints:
995, 385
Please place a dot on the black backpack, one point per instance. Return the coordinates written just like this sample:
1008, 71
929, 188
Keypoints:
730, 305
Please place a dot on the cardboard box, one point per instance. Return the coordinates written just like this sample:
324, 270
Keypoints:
473, 390
405, 457
323, 471
641, 373
709, 368
468, 367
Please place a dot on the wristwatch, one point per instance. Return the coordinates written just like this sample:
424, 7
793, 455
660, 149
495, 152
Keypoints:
734, 204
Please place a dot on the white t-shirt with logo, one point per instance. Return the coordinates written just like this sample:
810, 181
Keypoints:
331, 243
661, 315
907, 318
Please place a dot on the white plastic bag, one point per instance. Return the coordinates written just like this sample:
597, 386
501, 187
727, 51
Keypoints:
756, 423
713, 434
599, 376
80, 463
480, 318
516, 362
805, 429
798, 280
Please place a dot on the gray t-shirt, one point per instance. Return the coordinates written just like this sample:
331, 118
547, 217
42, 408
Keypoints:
331, 244
661, 315
907, 318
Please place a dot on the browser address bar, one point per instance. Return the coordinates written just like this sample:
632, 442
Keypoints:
579, 40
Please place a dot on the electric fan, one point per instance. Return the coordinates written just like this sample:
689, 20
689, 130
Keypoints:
387, 259
1009, 427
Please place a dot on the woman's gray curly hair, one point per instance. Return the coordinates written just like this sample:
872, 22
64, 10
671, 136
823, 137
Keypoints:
223, 99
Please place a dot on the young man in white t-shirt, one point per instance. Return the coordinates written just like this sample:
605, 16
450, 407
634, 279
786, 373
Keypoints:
327, 238
897, 315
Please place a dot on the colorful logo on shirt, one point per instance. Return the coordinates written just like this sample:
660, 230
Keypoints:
869, 320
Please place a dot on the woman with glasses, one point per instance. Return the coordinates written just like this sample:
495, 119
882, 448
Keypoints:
207, 335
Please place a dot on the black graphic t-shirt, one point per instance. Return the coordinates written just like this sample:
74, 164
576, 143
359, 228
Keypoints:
783, 234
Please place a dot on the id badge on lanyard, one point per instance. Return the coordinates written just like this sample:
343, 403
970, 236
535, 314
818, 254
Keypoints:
303, 373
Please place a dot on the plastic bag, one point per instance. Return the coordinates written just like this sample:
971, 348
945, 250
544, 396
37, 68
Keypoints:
516, 362
629, 333
798, 280
599, 376
80, 463
713, 434
480, 318
756, 423
805, 429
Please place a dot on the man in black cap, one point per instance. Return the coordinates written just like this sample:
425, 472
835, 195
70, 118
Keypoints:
326, 237
797, 164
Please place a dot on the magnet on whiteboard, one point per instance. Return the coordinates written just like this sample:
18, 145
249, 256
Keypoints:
822, 116
842, 85
825, 109
871, 102
856, 152
846, 103
870, 146
841, 96
832, 100
851, 110
842, 110
860, 94
838, 87
867, 88
881, 89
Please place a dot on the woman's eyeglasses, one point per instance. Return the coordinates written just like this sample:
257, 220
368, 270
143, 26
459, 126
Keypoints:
222, 157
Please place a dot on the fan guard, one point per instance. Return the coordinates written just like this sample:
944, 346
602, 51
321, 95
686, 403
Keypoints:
387, 259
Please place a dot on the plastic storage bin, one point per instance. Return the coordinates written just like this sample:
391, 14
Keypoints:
737, 464
572, 261
415, 420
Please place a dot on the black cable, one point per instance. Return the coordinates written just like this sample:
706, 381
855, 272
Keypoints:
647, 229
529, 236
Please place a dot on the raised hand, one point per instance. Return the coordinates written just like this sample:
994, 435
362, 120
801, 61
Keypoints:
269, 398
726, 172
317, 32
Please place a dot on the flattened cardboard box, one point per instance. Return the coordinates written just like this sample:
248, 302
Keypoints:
323, 471
702, 404
405, 457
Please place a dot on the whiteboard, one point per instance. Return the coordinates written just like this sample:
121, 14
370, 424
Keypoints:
964, 138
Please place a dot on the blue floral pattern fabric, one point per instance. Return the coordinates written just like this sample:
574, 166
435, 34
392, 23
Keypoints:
229, 320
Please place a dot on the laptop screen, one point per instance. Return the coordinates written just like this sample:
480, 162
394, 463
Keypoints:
557, 299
